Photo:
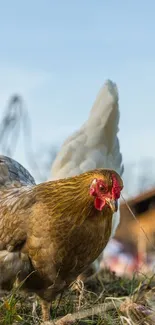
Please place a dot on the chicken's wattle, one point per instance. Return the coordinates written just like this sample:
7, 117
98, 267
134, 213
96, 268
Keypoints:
99, 204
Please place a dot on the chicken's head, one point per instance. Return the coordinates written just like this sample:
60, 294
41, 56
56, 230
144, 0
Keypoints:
106, 190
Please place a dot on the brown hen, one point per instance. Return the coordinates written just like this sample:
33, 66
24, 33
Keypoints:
56, 229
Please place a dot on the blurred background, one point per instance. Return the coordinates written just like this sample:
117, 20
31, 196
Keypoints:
54, 58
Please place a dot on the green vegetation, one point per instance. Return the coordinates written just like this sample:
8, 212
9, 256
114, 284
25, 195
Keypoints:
125, 302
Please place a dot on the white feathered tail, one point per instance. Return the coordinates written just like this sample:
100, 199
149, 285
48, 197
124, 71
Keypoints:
95, 144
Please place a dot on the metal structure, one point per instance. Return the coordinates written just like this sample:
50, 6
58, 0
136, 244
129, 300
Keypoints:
16, 121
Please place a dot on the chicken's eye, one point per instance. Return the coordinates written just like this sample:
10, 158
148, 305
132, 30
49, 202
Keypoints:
102, 188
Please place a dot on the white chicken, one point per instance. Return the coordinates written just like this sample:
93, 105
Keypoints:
95, 144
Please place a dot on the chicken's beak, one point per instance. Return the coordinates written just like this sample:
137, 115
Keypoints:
113, 204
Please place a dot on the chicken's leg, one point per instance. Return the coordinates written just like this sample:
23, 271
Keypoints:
45, 310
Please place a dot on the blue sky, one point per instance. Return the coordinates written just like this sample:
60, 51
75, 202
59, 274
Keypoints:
57, 55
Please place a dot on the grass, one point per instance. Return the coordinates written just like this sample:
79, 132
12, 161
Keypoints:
127, 302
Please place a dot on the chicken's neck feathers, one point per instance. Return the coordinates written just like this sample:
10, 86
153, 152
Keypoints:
68, 200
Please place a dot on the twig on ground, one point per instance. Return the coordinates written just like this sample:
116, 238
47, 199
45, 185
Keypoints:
97, 310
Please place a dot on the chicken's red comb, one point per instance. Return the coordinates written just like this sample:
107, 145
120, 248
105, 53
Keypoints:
116, 188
